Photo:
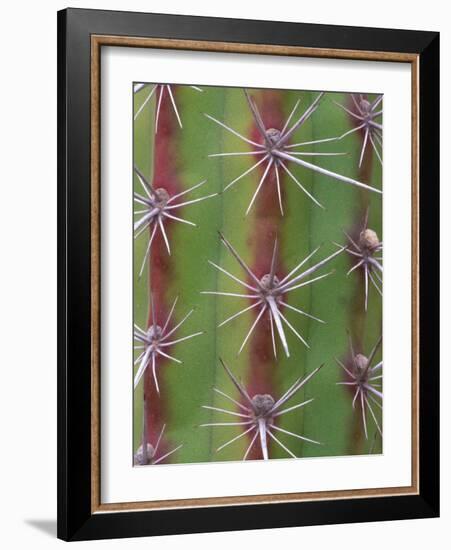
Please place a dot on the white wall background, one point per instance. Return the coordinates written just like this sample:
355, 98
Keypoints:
28, 271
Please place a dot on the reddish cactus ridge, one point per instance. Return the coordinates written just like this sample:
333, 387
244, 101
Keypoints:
161, 264
265, 229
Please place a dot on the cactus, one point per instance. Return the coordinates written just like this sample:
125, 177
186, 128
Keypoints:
258, 215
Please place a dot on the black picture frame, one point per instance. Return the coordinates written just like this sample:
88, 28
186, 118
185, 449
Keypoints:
76, 521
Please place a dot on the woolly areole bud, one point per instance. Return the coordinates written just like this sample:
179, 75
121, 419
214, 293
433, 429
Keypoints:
369, 239
265, 281
155, 333
162, 196
273, 135
365, 105
138, 459
262, 404
361, 362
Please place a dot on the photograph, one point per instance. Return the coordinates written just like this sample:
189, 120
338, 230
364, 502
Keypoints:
248, 305
234, 291
257, 274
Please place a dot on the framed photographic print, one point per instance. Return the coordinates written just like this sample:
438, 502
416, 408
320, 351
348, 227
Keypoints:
248, 274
